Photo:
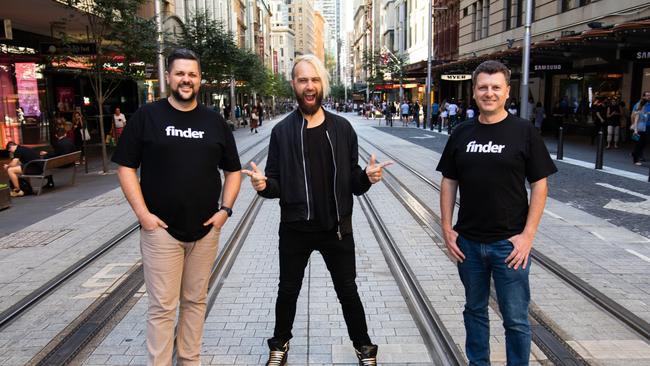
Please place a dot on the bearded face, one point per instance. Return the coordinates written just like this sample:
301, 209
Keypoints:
309, 101
307, 87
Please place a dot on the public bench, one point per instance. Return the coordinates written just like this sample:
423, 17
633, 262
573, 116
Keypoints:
50, 166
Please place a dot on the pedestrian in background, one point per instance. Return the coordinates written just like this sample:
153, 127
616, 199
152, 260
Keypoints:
435, 114
489, 159
539, 114
312, 168
613, 123
181, 147
255, 117
639, 127
599, 114
119, 122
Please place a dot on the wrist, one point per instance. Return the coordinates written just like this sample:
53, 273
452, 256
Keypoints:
226, 209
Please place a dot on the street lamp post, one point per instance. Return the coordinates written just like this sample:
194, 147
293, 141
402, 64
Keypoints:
161, 59
427, 117
525, 63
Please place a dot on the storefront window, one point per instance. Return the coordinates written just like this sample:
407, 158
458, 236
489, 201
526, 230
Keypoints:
9, 126
576, 92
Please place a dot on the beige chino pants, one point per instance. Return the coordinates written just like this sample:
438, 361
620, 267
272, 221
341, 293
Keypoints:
176, 271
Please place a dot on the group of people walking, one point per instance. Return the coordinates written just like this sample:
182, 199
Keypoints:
312, 168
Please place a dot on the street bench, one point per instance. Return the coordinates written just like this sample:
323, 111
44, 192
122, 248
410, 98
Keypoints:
50, 166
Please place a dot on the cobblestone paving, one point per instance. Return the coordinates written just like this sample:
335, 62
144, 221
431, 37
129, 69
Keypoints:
25, 337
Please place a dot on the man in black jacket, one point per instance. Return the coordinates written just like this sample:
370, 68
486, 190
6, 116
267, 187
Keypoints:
313, 168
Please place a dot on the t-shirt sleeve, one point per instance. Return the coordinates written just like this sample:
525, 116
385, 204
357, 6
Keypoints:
128, 152
446, 165
230, 159
539, 164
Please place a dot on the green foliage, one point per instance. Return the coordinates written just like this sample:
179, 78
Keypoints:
214, 45
124, 41
338, 92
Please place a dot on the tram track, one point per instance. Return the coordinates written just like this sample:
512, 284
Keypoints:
439, 343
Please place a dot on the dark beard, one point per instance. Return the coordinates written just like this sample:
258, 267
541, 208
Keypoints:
309, 110
177, 95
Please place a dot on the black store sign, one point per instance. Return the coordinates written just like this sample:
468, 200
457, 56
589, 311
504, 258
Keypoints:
77, 49
636, 55
549, 67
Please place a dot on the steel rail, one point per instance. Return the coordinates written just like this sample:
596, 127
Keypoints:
439, 342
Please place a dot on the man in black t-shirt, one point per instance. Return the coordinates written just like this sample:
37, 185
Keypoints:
180, 148
488, 159
313, 169
21, 156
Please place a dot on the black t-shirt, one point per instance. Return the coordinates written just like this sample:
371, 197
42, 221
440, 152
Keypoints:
180, 154
25, 154
320, 166
491, 163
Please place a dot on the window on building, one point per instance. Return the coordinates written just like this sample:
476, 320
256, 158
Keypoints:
486, 18
520, 13
465, 11
572, 4
282, 52
507, 12
474, 20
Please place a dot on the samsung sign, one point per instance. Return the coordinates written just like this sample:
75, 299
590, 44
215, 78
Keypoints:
456, 77
555, 67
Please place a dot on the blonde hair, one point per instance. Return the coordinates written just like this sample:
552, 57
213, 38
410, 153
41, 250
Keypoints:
320, 70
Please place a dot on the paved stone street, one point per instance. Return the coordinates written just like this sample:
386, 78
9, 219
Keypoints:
594, 225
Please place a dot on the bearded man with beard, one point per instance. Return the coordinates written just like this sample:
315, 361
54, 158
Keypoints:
312, 167
181, 147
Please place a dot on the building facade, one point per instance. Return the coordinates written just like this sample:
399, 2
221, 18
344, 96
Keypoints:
581, 50
282, 39
320, 29
301, 21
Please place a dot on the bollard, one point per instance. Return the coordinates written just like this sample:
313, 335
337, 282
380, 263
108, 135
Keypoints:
440, 125
560, 144
600, 150
449, 127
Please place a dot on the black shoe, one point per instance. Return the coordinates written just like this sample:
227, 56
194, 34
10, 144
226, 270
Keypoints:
367, 355
277, 352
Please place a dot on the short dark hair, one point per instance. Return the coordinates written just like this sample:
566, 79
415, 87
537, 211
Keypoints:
10, 144
182, 54
60, 131
491, 67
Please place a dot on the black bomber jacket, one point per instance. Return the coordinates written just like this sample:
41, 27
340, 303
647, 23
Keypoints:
287, 170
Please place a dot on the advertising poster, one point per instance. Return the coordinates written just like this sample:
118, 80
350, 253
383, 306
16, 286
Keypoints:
27, 88
64, 98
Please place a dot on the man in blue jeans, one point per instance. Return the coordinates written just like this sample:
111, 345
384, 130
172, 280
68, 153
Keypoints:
489, 159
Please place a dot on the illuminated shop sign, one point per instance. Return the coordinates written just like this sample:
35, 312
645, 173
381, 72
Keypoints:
27, 88
456, 77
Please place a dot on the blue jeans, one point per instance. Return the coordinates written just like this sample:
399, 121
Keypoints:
482, 261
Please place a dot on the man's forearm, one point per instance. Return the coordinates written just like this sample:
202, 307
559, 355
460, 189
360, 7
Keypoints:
538, 193
448, 188
231, 185
132, 190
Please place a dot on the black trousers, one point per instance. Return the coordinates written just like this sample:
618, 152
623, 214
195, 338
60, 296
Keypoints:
295, 249
639, 146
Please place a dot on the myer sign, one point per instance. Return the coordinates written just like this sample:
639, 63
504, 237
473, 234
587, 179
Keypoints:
456, 77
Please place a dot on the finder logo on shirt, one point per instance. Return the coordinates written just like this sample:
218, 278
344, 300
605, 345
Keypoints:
188, 134
488, 148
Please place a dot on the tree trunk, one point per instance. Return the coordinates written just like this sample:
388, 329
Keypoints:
100, 102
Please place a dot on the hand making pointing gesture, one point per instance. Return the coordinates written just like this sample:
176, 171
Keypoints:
258, 180
373, 170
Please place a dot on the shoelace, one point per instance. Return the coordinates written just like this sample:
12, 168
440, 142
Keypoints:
275, 359
369, 361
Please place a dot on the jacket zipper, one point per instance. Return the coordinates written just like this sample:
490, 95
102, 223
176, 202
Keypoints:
336, 201
304, 166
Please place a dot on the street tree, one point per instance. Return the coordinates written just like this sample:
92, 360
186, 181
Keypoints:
124, 42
